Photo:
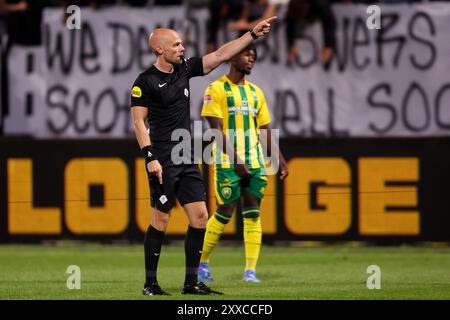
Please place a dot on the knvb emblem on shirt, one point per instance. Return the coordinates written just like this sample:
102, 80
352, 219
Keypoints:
163, 199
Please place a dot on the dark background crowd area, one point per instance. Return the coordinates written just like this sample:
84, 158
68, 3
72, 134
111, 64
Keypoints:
20, 20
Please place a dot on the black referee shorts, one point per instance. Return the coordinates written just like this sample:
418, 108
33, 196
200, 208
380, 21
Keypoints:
182, 182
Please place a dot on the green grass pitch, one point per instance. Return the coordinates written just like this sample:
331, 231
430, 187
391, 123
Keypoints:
330, 272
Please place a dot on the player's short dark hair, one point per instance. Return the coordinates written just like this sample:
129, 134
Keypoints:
251, 46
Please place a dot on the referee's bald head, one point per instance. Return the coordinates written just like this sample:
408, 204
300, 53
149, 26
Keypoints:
161, 38
166, 44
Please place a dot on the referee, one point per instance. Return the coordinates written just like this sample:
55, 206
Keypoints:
160, 95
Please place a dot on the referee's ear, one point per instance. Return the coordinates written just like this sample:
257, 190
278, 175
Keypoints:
157, 51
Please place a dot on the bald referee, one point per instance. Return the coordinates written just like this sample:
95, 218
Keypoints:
160, 95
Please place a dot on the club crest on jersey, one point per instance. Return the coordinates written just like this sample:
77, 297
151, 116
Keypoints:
136, 92
226, 192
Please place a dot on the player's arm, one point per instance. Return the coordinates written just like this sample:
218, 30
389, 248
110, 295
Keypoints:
229, 49
272, 147
239, 166
139, 115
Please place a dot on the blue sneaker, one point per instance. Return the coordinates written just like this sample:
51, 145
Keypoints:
203, 272
250, 276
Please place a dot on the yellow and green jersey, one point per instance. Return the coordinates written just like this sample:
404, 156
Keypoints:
243, 110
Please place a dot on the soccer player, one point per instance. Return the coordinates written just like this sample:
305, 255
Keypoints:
160, 95
237, 108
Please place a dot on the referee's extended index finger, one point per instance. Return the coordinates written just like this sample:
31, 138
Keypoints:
268, 20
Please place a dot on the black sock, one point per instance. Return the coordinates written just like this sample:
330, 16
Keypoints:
193, 245
152, 248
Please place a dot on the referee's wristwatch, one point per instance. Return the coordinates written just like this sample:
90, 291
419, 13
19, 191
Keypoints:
253, 34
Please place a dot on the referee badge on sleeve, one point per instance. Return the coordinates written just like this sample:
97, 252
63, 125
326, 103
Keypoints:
136, 92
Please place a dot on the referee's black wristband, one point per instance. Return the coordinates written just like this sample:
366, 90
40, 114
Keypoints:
149, 153
253, 34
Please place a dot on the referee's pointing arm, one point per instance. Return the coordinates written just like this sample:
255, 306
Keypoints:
229, 49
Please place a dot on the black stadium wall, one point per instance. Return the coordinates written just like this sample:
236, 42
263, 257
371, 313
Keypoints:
338, 189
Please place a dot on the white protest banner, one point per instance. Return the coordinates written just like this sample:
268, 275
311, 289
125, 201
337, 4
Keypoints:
385, 82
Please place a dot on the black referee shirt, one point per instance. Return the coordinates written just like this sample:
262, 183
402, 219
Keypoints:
166, 95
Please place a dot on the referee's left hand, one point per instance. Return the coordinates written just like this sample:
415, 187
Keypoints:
263, 27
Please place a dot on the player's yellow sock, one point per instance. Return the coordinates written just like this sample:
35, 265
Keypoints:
252, 236
214, 229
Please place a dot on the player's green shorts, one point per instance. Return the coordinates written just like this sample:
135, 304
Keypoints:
229, 186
